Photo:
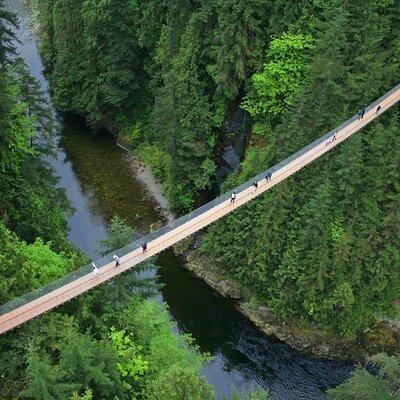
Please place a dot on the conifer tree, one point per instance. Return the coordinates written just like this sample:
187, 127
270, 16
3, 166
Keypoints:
112, 57
37, 104
363, 385
8, 21
45, 382
238, 44
44, 13
119, 235
68, 73
88, 363
183, 105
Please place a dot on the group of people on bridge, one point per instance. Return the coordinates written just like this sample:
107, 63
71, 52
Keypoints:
268, 177
96, 271
255, 184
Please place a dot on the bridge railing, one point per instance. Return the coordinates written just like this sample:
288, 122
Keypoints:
100, 263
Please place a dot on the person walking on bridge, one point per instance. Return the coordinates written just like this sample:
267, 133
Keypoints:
378, 109
359, 114
362, 113
96, 271
233, 196
144, 247
331, 140
255, 185
268, 176
117, 260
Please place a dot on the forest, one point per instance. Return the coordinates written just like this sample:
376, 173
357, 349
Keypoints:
322, 249
113, 343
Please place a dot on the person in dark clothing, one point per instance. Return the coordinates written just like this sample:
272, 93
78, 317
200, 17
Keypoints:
331, 141
233, 196
144, 247
362, 113
378, 109
268, 176
255, 185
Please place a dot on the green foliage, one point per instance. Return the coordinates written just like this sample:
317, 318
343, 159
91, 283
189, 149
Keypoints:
73, 353
45, 381
97, 311
157, 159
63, 19
170, 359
178, 383
43, 13
141, 358
119, 234
131, 366
24, 267
256, 394
362, 385
36, 103
8, 21
92, 73
185, 62
81, 362
88, 395
282, 77
111, 56
29, 202
88, 363
237, 44
183, 119
45, 264
17, 133
153, 329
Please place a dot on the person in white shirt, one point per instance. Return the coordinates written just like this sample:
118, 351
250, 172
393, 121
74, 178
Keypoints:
117, 260
96, 271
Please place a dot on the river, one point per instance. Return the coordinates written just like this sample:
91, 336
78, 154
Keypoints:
99, 183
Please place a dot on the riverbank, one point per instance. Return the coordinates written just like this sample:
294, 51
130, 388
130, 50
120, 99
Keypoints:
143, 173
383, 337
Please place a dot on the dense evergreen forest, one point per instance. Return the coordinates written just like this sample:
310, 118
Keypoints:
323, 247
112, 343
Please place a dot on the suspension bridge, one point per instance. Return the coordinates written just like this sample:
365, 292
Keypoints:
39, 301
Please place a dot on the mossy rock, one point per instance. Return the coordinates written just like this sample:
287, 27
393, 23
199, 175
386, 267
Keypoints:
381, 338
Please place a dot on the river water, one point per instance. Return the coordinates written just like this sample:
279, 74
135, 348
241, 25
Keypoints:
99, 183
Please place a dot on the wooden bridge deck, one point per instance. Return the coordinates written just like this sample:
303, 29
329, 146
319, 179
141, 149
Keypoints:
28, 307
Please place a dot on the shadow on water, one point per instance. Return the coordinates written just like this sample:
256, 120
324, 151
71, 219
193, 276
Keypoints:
99, 184
243, 356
